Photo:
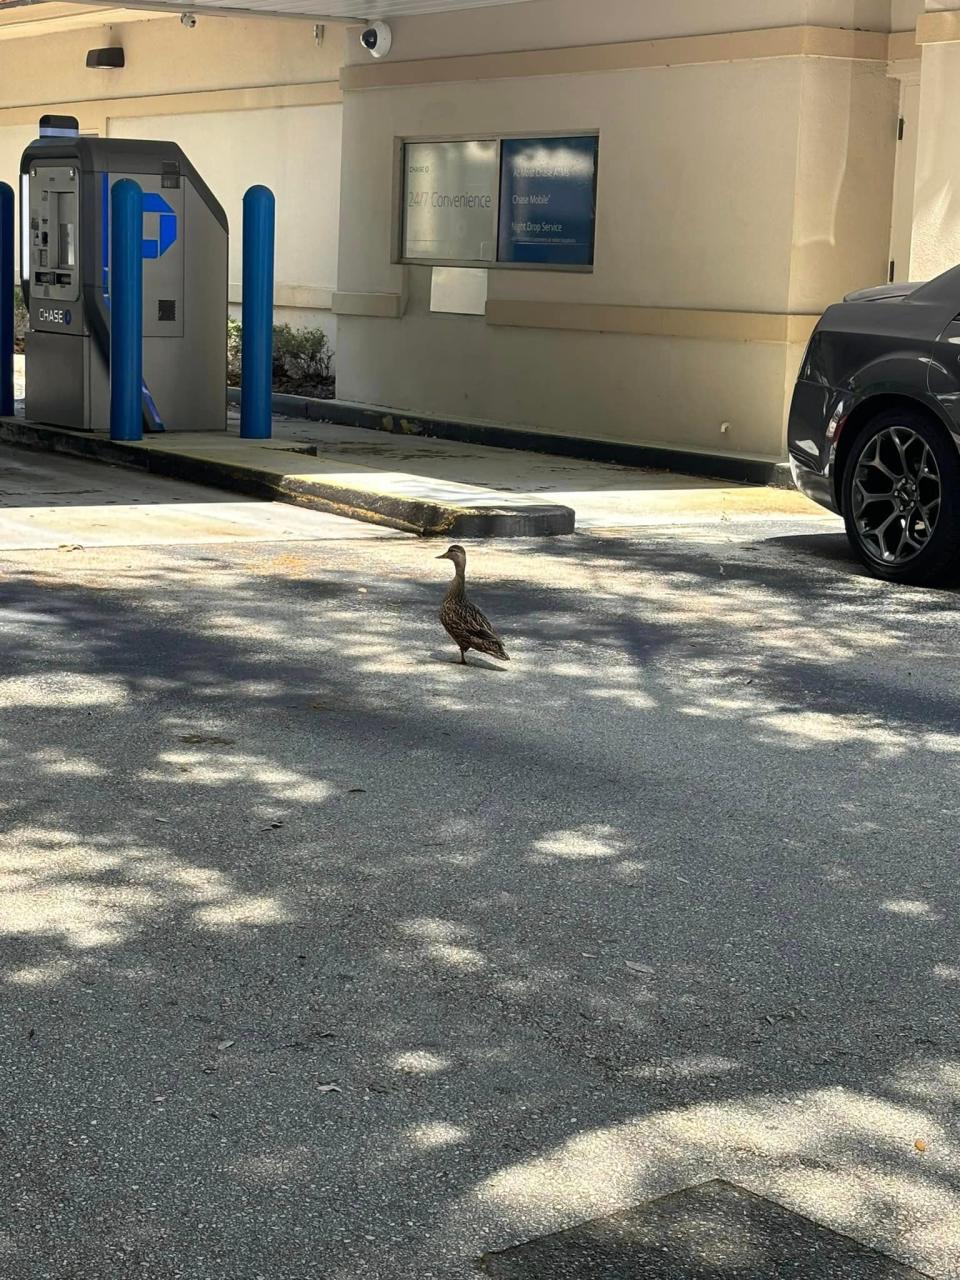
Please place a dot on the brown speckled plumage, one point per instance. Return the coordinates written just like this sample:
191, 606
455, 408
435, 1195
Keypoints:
463, 621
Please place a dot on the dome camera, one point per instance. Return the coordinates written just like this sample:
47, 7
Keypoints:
188, 20
377, 39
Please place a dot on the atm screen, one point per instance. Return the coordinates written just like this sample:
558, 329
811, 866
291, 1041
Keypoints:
66, 224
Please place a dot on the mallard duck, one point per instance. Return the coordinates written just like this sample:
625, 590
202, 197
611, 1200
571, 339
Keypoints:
463, 621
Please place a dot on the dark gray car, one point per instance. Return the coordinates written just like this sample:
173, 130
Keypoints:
874, 428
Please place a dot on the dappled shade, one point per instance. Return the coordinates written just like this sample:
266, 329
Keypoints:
637, 911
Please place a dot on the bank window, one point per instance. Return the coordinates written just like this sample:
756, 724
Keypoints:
525, 202
450, 201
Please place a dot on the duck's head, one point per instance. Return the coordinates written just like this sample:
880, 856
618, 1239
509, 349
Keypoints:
455, 553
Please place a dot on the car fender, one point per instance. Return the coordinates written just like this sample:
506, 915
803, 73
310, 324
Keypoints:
943, 378
900, 374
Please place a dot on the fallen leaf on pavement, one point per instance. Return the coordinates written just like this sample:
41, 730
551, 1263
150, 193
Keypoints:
226, 1044
356, 791
212, 739
329, 1088
638, 968
920, 1144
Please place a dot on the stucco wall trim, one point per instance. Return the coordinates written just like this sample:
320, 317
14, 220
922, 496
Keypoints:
778, 42
318, 94
661, 322
388, 306
298, 297
939, 28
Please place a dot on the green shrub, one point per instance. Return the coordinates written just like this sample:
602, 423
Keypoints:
234, 332
302, 359
21, 320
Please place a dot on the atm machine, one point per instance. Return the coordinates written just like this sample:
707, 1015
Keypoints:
65, 272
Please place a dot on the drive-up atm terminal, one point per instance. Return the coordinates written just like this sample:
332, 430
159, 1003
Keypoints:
65, 270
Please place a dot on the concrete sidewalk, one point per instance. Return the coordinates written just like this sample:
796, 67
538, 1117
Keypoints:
53, 503
291, 470
603, 495
422, 485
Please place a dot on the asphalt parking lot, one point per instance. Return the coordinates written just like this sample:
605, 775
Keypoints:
322, 955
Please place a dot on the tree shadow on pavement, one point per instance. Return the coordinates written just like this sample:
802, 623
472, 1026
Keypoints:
323, 959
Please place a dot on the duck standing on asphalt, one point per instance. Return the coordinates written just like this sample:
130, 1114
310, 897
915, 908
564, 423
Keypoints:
463, 621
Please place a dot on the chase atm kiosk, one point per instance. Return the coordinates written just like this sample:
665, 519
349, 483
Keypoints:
65, 184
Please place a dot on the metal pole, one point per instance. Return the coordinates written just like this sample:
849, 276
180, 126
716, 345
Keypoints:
6, 300
256, 346
126, 310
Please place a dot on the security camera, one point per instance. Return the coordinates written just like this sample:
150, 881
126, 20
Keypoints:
188, 20
377, 39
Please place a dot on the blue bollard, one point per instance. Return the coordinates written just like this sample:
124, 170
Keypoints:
6, 300
126, 310
256, 345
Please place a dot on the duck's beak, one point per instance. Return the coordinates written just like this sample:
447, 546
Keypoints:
445, 556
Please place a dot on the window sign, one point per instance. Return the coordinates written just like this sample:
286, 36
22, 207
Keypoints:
548, 201
460, 291
450, 201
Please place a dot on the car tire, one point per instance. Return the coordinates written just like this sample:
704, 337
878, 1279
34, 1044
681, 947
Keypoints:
900, 498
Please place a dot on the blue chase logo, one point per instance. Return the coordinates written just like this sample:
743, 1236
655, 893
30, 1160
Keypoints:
154, 206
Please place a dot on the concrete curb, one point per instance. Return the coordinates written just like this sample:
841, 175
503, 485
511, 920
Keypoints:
424, 516
346, 413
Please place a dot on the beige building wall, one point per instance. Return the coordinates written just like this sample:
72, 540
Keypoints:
746, 175
545, 24
296, 153
745, 183
249, 100
936, 229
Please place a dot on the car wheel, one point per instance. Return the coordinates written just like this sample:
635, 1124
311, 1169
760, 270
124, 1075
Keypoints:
901, 499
